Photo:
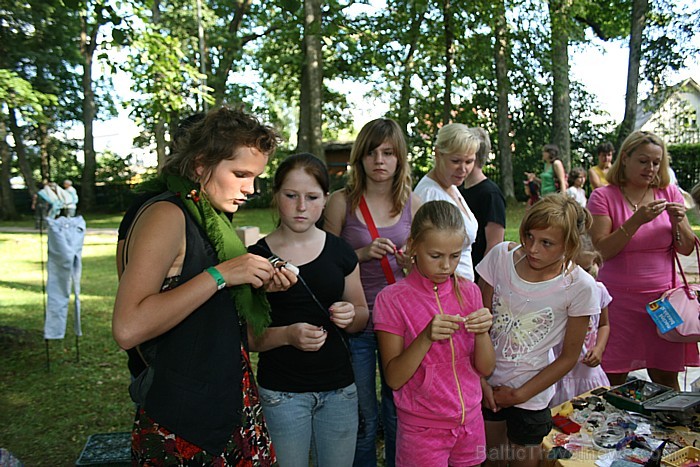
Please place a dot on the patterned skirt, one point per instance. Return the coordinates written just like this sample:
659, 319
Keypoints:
249, 445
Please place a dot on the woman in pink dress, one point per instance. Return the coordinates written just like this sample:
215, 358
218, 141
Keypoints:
637, 220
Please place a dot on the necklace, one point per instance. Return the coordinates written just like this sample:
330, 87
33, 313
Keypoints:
635, 206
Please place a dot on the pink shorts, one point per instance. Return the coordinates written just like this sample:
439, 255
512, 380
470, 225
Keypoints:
462, 446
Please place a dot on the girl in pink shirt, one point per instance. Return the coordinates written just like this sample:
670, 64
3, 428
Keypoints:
433, 339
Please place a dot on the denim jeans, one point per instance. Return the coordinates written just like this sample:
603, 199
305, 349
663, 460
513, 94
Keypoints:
323, 423
364, 364
64, 269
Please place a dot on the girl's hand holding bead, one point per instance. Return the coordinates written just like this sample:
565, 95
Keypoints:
379, 248
443, 326
342, 314
479, 321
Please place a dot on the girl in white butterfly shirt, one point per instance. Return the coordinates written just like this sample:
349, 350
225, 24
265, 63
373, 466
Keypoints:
539, 298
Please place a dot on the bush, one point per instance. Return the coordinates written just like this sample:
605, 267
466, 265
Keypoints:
686, 164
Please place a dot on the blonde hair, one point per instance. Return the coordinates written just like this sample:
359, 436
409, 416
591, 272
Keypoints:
559, 211
482, 154
589, 251
371, 136
457, 138
440, 216
616, 174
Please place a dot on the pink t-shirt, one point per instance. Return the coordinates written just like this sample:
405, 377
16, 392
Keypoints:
645, 263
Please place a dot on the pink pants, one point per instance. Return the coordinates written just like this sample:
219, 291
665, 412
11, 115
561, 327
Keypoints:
462, 446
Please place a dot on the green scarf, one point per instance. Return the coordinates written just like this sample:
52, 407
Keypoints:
252, 304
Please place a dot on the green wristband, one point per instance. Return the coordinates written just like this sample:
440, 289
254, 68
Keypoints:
220, 281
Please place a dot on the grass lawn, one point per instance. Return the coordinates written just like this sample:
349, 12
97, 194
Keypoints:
48, 414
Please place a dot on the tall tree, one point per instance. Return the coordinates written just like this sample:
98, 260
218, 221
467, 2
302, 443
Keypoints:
639, 11
310, 136
559, 12
502, 59
448, 24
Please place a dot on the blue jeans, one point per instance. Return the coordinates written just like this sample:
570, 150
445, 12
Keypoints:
324, 423
364, 364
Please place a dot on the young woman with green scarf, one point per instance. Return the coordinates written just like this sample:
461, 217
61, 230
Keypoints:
187, 294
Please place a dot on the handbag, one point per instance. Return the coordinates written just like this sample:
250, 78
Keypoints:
685, 302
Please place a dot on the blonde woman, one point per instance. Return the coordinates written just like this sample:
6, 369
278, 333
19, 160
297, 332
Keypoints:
455, 155
638, 219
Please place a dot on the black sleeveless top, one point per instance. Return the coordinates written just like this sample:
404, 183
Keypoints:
192, 385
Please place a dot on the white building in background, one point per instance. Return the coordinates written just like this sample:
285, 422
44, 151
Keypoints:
672, 113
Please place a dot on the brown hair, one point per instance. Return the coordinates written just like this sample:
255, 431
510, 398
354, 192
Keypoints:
552, 150
616, 174
217, 137
561, 211
575, 173
309, 163
371, 136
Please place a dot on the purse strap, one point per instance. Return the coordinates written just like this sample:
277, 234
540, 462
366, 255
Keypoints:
677, 262
386, 267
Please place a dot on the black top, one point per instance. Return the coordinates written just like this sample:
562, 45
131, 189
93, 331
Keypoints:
287, 368
487, 203
130, 214
193, 384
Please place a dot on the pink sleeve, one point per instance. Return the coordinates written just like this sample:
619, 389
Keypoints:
598, 203
385, 315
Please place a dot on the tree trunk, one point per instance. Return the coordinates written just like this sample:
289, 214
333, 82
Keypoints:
310, 136
639, 10
87, 48
21, 152
561, 105
449, 61
7, 202
159, 131
43, 137
501, 51
404, 110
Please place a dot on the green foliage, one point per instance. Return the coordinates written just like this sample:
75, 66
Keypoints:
113, 169
686, 164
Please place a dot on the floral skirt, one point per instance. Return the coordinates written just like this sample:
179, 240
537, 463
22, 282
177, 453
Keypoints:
249, 445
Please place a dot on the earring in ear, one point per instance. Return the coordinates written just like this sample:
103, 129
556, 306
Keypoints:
413, 260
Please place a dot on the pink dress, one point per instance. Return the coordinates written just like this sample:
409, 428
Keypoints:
582, 378
638, 274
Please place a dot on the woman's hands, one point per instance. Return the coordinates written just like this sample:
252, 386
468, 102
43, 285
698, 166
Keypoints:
282, 280
650, 211
676, 212
247, 269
